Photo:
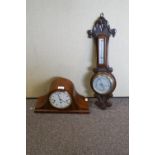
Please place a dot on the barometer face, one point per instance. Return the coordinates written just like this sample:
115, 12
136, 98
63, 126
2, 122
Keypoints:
102, 84
60, 99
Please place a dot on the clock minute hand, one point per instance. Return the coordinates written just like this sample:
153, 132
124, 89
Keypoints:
60, 98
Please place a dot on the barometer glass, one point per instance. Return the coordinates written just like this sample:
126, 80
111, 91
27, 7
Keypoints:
102, 84
101, 51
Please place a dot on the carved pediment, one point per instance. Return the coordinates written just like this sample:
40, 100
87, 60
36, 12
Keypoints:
101, 26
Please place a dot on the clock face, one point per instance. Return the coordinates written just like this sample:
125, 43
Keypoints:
102, 84
60, 99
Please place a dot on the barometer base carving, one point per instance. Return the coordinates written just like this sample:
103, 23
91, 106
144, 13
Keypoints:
102, 101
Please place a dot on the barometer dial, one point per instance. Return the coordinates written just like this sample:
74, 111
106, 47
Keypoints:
103, 83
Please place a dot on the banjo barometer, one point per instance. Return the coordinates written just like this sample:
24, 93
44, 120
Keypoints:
102, 82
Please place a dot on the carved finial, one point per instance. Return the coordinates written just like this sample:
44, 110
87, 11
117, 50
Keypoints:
102, 14
101, 26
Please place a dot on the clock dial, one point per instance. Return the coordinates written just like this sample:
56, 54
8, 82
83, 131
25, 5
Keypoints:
102, 84
60, 99
101, 51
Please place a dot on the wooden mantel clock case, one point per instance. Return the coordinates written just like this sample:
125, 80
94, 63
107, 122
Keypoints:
102, 82
62, 98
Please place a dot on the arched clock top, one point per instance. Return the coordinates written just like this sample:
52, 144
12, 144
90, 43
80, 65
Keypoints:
101, 26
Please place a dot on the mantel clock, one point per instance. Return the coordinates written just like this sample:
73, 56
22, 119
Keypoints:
62, 98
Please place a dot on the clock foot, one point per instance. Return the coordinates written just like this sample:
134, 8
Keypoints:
102, 101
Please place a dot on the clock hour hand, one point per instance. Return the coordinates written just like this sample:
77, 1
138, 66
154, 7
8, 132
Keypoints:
101, 84
60, 98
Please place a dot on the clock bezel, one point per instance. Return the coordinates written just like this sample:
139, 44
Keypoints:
110, 76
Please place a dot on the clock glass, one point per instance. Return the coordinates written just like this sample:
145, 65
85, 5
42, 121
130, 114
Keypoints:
60, 99
102, 84
101, 51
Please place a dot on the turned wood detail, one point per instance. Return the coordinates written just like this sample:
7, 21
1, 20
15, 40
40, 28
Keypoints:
102, 101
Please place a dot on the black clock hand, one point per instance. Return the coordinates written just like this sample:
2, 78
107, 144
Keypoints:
101, 83
60, 98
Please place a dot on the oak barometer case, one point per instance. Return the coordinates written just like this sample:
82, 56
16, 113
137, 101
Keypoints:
62, 98
102, 82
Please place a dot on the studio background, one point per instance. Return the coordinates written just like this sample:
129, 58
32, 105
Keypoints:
58, 44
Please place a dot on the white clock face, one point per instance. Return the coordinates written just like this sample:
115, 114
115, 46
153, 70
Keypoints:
102, 84
60, 99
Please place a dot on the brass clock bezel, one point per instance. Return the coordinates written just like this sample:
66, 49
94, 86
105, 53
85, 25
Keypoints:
110, 76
